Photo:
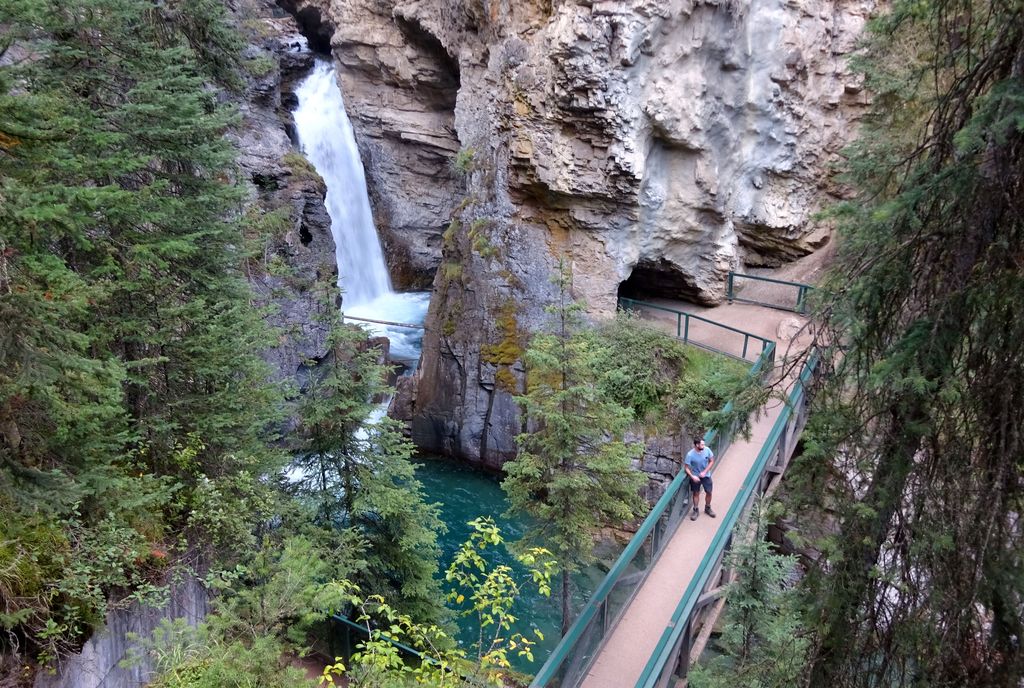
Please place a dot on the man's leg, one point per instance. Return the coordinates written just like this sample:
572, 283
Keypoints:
695, 500
707, 497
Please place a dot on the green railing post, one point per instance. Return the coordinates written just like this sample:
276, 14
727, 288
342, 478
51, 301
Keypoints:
330, 637
679, 323
686, 334
801, 292
746, 339
674, 636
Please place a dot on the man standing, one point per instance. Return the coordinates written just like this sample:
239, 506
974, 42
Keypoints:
697, 465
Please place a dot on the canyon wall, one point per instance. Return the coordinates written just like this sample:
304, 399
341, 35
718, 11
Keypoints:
652, 146
291, 264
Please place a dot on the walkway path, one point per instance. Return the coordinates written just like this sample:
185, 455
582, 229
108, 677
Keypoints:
633, 640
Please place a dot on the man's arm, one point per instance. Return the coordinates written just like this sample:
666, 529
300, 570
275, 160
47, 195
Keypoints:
711, 462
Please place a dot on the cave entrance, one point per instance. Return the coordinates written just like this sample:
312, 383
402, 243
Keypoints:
659, 278
313, 25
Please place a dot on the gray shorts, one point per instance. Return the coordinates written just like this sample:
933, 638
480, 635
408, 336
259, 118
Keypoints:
704, 482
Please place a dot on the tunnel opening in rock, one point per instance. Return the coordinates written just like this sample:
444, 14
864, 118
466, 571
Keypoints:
659, 278
316, 30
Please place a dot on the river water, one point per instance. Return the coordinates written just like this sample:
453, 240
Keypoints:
465, 494
326, 137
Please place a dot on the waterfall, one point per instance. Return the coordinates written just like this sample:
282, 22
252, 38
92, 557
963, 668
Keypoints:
326, 137
327, 140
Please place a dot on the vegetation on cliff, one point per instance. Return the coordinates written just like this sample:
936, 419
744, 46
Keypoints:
916, 445
138, 429
573, 472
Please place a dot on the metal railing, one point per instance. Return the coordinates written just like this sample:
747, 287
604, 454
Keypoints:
671, 656
572, 657
690, 334
347, 646
411, 326
780, 294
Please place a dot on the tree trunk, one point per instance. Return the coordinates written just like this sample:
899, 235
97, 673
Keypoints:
9, 429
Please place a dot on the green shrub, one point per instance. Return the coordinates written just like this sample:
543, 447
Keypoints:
638, 382
665, 382
188, 657
261, 65
464, 161
301, 168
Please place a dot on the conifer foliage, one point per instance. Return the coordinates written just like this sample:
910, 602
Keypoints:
918, 435
573, 472
133, 404
762, 643
356, 471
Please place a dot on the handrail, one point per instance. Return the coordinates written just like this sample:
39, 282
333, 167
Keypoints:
598, 602
401, 646
382, 322
683, 327
679, 623
800, 305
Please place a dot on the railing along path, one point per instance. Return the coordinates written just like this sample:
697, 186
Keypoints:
605, 647
591, 634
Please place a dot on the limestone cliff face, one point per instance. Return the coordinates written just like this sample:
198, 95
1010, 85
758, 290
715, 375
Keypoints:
293, 269
654, 145
400, 86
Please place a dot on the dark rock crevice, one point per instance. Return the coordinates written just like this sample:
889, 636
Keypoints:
662, 278
442, 90
317, 30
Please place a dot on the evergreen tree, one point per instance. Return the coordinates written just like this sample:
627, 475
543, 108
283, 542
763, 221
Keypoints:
133, 403
356, 469
573, 471
917, 435
762, 642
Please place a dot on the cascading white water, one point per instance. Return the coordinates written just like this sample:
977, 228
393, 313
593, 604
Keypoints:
327, 140
326, 137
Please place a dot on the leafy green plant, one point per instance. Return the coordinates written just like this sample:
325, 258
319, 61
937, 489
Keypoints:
199, 657
464, 161
300, 166
641, 383
261, 65
478, 591
674, 385
477, 235
489, 593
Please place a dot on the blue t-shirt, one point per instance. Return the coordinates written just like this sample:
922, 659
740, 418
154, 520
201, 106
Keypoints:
699, 460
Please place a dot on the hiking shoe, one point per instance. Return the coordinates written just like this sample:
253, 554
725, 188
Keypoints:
695, 514
709, 511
